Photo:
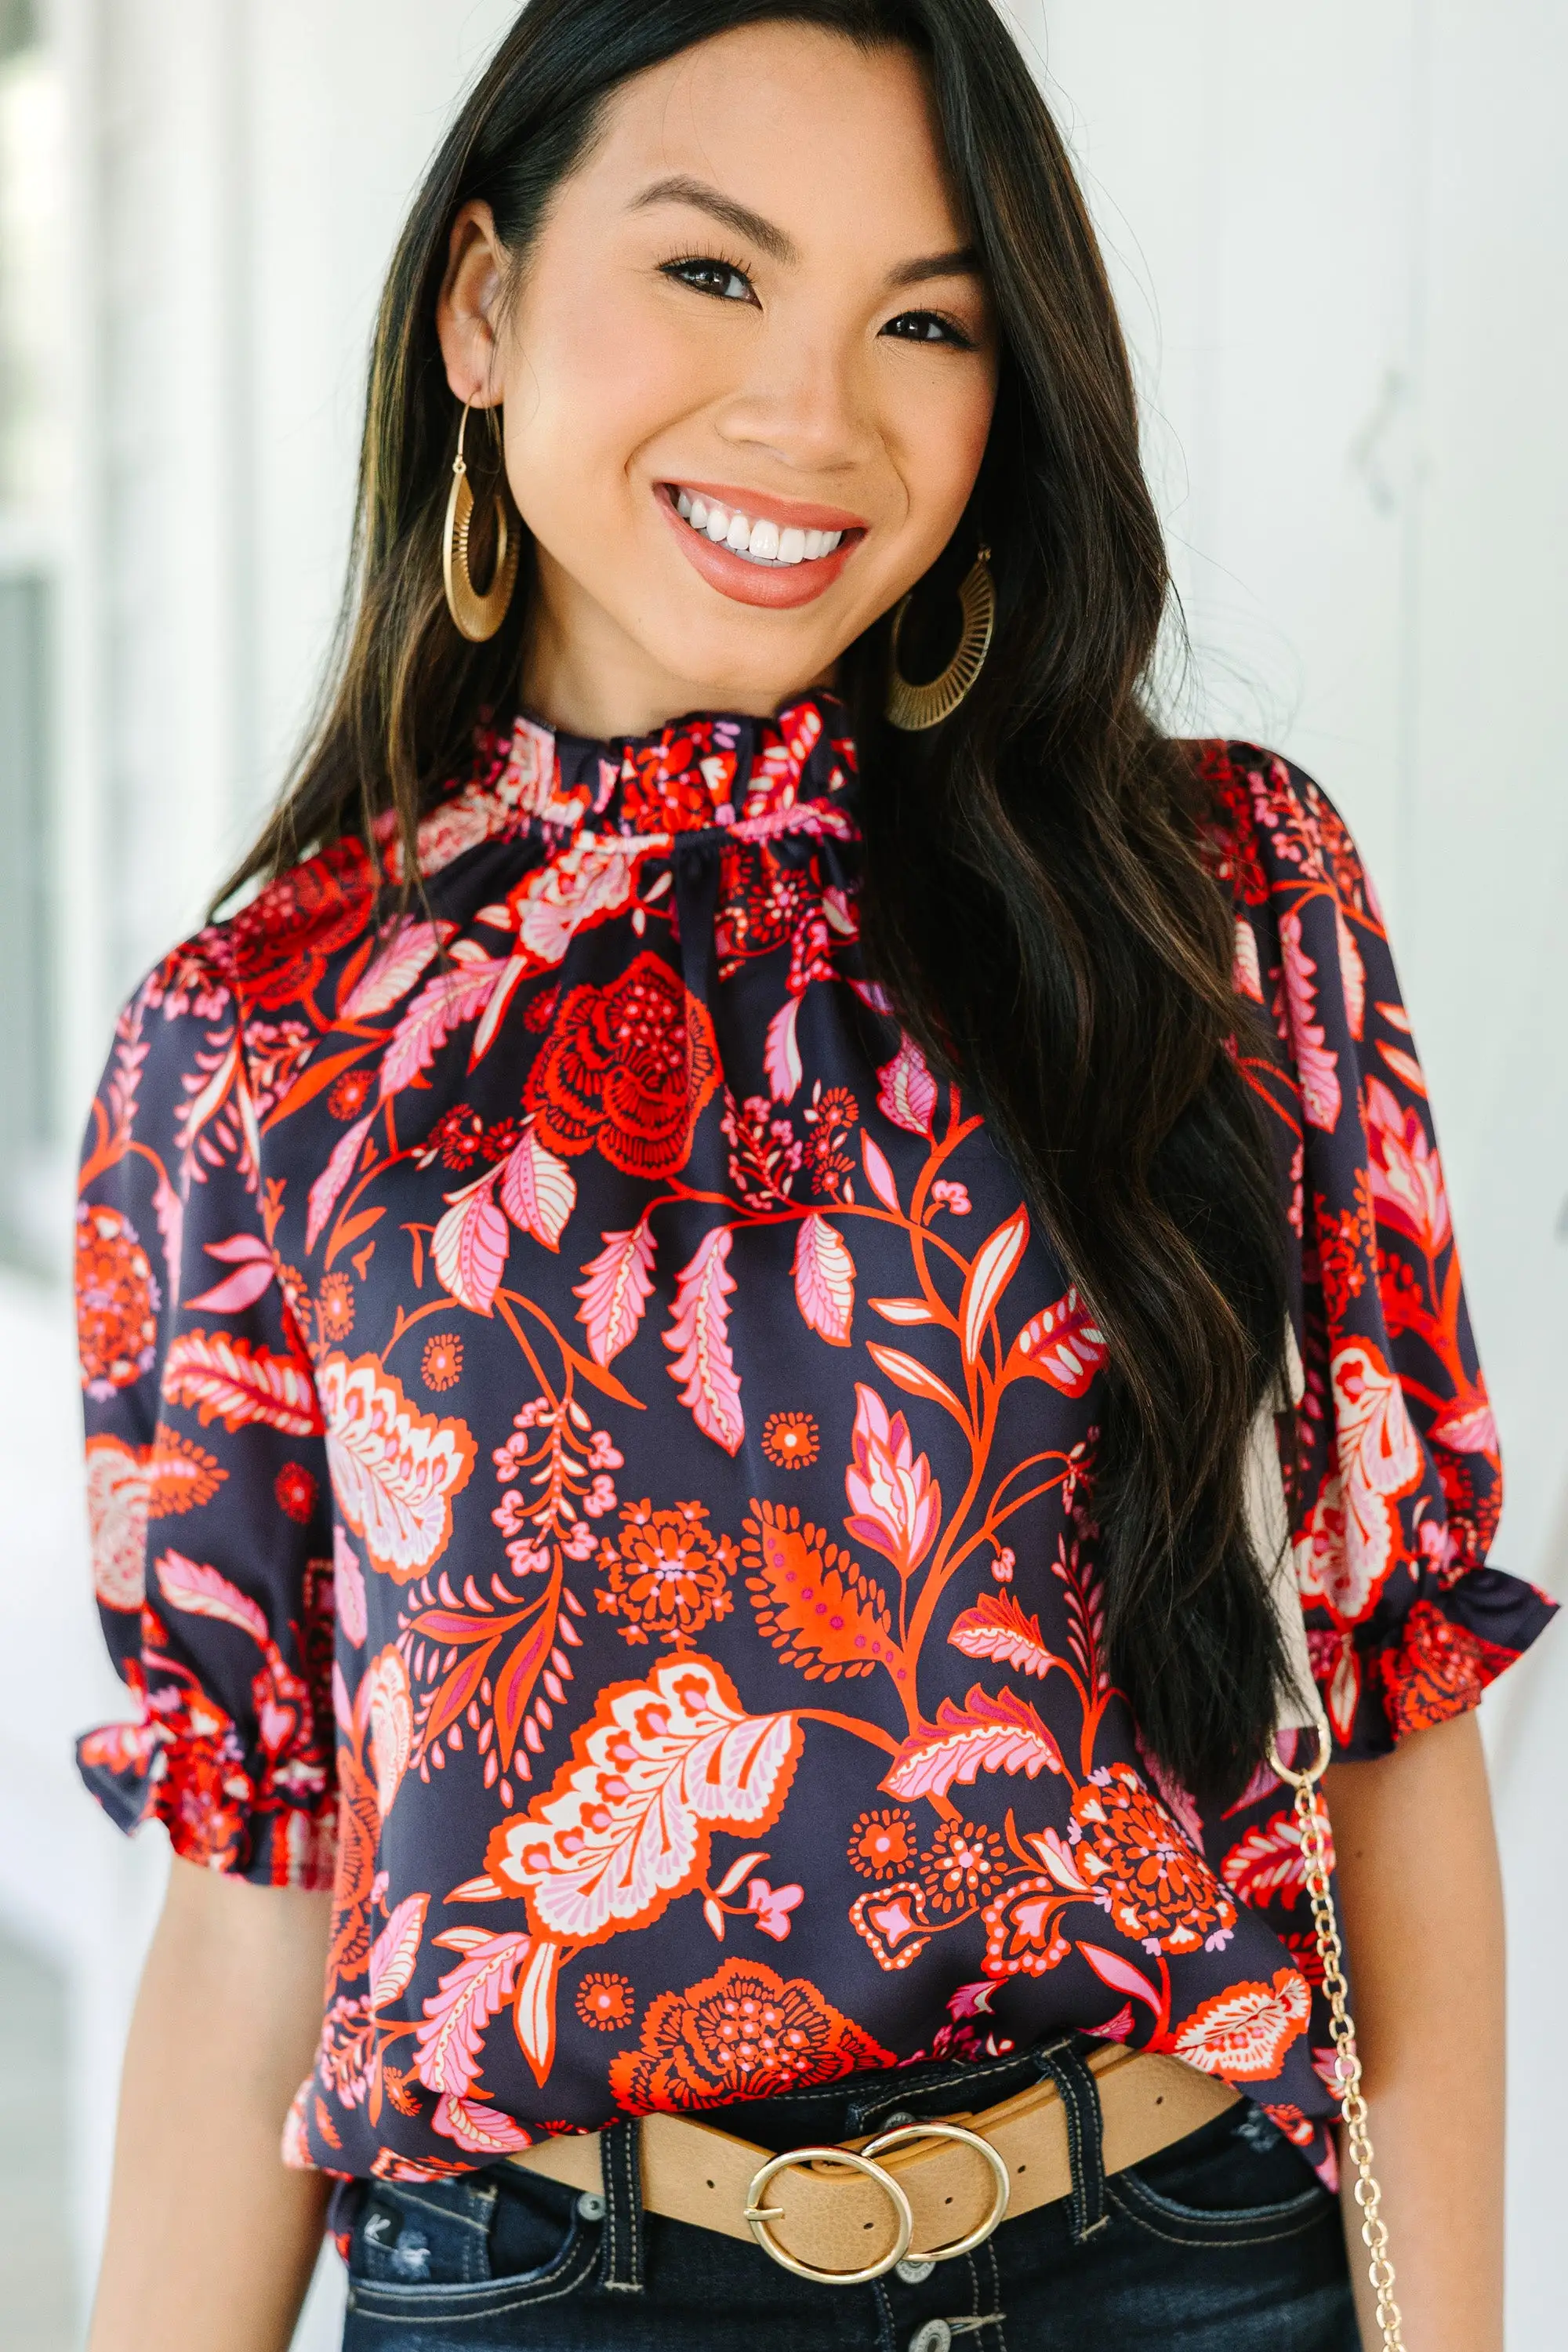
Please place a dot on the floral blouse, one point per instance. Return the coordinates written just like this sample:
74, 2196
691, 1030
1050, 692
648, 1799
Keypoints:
591, 1459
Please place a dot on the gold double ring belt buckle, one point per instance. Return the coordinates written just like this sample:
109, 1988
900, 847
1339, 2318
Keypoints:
864, 2160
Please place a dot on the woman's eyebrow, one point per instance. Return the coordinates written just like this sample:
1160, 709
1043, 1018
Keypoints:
680, 188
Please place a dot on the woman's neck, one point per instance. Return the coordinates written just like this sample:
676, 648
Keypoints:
583, 675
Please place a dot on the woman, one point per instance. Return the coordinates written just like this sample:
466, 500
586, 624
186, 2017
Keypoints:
677, 1314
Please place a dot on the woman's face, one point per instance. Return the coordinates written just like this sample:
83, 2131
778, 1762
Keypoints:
748, 374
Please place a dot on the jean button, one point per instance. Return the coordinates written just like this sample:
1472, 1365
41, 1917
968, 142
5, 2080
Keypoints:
914, 2270
936, 2336
591, 2205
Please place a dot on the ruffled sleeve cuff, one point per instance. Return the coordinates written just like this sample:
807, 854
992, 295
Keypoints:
1381, 1684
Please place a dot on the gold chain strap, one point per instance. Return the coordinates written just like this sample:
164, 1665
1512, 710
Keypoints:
1312, 1824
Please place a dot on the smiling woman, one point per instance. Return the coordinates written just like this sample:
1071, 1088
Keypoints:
799, 1317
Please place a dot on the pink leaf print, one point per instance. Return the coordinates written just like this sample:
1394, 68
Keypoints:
1405, 1065
997, 1628
348, 1590
1245, 977
1057, 1857
395, 1950
394, 1469
228, 1379
737, 1871
1316, 1063
985, 1735
902, 1310
781, 1056
1468, 1426
482, 2131
395, 969
825, 1279
538, 1191
1353, 976
533, 2012
328, 1187
906, 1090
1121, 1975
895, 1504
909, 1372
454, 996
449, 2044
118, 1504
618, 1286
250, 1254
1267, 1863
1063, 1344
698, 1335
879, 1175
469, 1248
1406, 1174
628, 1824
200, 1591
996, 1263
1244, 2032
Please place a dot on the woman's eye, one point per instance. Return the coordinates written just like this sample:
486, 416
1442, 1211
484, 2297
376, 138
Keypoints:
926, 327
719, 279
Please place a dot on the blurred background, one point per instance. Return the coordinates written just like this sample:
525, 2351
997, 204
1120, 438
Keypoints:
1338, 233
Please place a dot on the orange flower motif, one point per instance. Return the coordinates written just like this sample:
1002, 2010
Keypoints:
606, 2001
743, 2034
964, 1866
882, 1844
790, 1440
335, 1308
441, 1365
666, 1573
117, 1301
1143, 1870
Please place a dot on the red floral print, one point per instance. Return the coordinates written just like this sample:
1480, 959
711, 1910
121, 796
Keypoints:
628, 1068
1128, 1848
117, 1301
743, 2034
699, 1544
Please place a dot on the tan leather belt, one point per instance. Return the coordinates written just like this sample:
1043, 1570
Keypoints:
925, 2190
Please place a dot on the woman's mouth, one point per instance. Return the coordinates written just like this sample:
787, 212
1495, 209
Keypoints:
761, 541
762, 551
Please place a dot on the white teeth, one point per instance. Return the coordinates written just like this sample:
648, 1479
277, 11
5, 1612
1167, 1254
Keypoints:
762, 541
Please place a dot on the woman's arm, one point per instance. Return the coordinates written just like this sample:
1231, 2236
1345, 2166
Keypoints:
1421, 1897
211, 2242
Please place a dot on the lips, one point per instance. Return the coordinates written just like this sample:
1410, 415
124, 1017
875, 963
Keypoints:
757, 548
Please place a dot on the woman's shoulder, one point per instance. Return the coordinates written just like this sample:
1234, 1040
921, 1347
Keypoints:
1272, 831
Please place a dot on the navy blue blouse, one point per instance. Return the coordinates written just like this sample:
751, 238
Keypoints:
591, 1459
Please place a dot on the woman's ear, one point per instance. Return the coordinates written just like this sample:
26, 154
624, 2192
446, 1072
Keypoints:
468, 310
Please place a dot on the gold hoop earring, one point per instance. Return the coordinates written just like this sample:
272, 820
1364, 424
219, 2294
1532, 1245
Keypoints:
916, 707
478, 617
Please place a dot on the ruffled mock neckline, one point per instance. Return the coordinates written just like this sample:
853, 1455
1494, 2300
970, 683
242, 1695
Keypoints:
706, 771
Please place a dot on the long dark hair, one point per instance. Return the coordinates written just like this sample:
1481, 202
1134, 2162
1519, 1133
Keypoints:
1037, 900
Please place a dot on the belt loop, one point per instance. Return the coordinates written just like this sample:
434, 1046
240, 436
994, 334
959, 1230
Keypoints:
1081, 2105
621, 2248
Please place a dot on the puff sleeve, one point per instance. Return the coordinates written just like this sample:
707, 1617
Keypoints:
206, 1472
1397, 1484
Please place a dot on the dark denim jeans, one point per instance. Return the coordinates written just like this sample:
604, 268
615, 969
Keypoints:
1223, 2242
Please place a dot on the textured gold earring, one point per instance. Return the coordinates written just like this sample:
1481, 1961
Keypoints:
915, 708
478, 617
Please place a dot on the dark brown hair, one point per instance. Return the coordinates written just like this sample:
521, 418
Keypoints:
1036, 898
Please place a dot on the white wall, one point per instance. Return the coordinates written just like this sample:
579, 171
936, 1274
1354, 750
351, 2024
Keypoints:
1338, 231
